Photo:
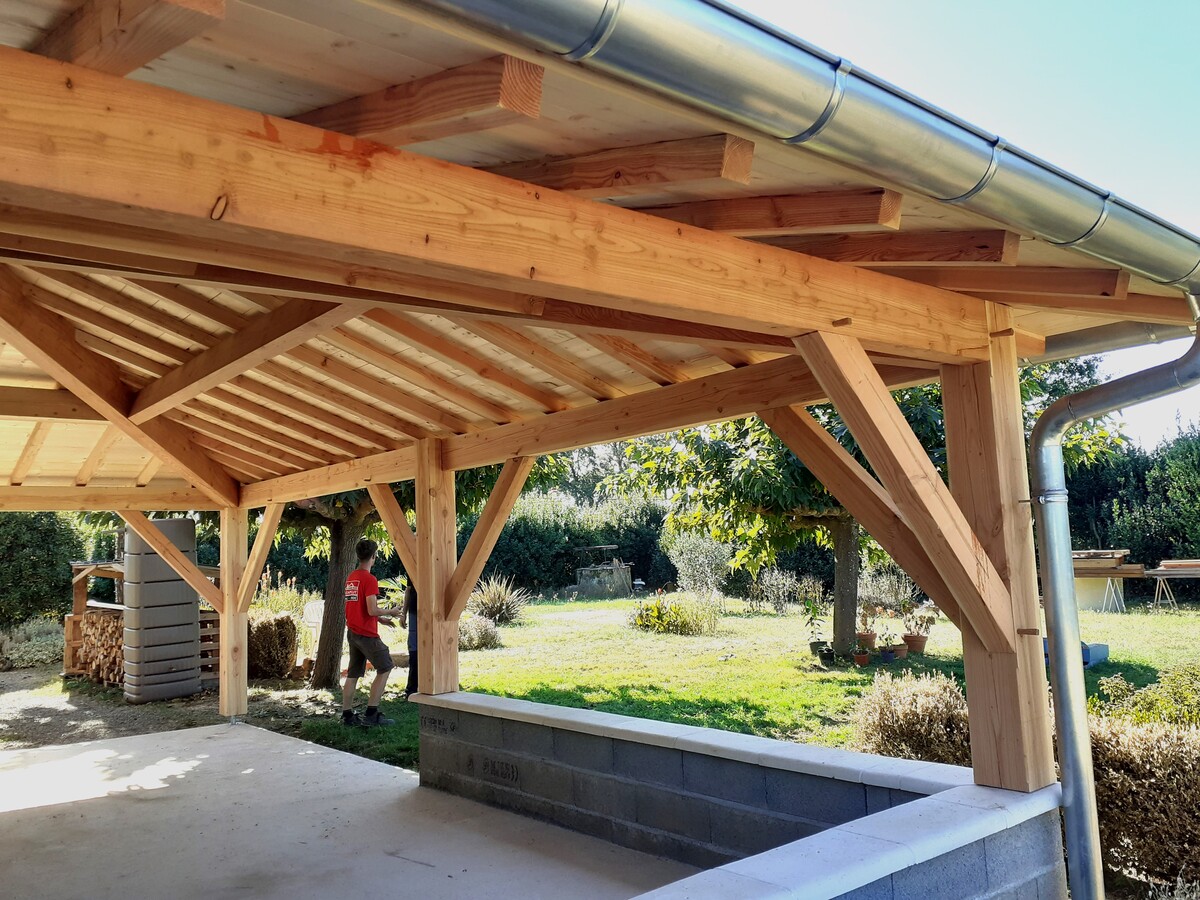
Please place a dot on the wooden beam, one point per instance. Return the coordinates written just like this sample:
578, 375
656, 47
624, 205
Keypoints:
258, 555
50, 343
487, 94
76, 499
264, 338
716, 160
121, 36
865, 404
862, 496
437, 634
1047, 280
397, 526
172, 556
636, 357
1134, 308
912, 248
44, 404
207, 419
539, 355
820, 212
985, 447
235, 622
713, 398
33, 445
96, 458
329, 201
487, 530
145, 476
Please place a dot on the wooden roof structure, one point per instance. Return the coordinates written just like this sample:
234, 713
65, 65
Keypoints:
253, 251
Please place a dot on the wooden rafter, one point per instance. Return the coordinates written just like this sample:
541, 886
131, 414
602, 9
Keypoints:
49, 341
503, 90
40, 403
88, 498
911, 248
1135, 307
716, 160
121, 36
258, 555
541, 356
172, 556
713, 398
265, 337
820, 212
33, 445
1046, 280
636, 357
396, 523
146, 475
863, 400
208, 419
96, 458
319, 210
487, 531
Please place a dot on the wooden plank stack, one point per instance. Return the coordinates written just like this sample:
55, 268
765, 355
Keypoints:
100, 655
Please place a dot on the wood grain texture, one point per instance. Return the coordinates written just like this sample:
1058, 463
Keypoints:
234, 650
257, 559
1046, 280
820, 212
396, 523
437, 556
76, 499
38, 436
912, 248
173, 557
95, 459
44, 404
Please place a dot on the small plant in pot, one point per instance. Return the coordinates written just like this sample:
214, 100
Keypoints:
918, 622
827, 656
900, 649
867, 615
887, 652
862, 654
812, 621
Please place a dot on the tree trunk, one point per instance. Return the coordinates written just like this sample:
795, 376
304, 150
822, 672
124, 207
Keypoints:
845, 584
327, 667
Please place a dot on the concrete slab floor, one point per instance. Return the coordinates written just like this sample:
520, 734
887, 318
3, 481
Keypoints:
236, 811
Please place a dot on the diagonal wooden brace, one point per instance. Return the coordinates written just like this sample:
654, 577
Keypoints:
180, 564
396, 523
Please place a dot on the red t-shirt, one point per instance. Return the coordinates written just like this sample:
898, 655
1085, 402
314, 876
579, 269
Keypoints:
359, 586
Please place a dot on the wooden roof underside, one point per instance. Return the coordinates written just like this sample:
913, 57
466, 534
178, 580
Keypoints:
268, 361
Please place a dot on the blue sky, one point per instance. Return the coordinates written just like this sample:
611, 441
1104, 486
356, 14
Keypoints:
1108, 90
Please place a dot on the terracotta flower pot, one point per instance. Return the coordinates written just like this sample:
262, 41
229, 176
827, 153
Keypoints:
867, 639
916, 642
861, 659
901, 650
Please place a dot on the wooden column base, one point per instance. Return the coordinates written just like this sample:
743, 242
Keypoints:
234, 683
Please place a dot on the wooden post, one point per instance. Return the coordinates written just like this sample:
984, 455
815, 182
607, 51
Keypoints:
235, 535
1010, 716
437, 554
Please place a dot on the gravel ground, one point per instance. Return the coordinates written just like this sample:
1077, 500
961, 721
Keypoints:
39, 707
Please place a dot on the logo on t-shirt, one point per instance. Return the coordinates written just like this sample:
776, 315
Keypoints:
352, 591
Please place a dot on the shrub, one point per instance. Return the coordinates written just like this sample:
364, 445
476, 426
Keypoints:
1180, 890
477, 633
498, 599
35, 577
271, 652
1174, 699
774, 588
888, 586
701, 561
38, 642
914, 717
676, 615
276, 594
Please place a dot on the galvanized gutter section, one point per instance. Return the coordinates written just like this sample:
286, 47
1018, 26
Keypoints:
711, 55
1049, 491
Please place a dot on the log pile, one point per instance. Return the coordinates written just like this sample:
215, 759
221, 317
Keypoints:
101, 654
210, 648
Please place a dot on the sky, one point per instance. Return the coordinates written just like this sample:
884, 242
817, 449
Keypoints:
1107, 89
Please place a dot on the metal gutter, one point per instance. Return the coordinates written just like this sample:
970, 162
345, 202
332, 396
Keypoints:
711, 55
1049, 491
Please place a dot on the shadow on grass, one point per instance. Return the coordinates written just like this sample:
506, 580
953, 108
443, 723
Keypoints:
395, 745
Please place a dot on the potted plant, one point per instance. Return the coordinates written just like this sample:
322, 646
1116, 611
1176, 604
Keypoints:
887, 652
900, 649
862, 654
812, 621
918, 622
827, 656
866, 625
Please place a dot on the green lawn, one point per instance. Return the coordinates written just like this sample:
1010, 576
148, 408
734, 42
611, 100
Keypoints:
754, 676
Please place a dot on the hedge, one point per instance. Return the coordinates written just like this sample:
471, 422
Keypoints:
36, 550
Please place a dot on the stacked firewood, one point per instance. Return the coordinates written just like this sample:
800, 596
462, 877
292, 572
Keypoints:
102, 653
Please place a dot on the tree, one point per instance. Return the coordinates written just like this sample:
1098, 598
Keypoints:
37, 549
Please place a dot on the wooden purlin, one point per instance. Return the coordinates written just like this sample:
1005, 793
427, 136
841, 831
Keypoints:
911, 248
96, 458
44, 404
38, 436
817, 212
321, 210
76, 499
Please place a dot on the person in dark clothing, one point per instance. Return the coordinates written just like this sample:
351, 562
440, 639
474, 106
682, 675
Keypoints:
408, 618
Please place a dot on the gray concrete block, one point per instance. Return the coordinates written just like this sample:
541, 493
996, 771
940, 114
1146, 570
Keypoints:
154, 637
659, 843
481, 730
162, 616
138, 681
1013, 855
876, 890
901, 797
163, 691
546, 779
672, 812
648, 763
951, 876
149, 567
747, 831
878, 799
527, 738
158, 593
442, 753
180, 532
162, 651
436, 721
725, 779
1052, 885
610, 797
583, 751
816, 798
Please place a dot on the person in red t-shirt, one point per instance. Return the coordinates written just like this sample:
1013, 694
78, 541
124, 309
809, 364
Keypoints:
363, 614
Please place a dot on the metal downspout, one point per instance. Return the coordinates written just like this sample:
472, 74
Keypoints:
1049, 491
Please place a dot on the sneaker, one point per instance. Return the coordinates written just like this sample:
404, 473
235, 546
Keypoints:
370, 720
354, 720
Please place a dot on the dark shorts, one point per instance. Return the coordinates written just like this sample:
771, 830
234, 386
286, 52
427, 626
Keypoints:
363, 648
